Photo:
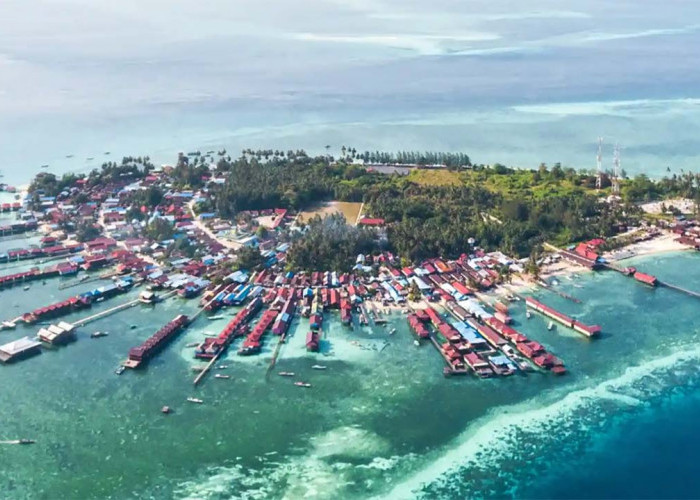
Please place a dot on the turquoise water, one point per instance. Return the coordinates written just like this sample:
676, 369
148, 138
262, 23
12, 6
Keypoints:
381, 420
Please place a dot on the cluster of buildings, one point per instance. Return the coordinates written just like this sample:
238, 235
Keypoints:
688, 233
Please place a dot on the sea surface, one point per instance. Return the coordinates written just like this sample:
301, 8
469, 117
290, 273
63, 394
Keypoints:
513, 82
83, 82
381, 421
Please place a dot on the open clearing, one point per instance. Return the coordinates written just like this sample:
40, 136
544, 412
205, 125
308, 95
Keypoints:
435, 177
349, 209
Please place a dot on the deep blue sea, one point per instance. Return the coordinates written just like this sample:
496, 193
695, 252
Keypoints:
651, 454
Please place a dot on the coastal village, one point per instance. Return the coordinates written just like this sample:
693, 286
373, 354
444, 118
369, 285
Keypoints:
458, 308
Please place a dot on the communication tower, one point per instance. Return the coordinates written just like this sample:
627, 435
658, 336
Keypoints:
616, 171
599, 165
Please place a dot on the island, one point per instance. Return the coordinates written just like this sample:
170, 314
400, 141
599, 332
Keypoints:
274, 235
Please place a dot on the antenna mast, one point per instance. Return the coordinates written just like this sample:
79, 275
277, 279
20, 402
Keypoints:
616, 171
599, 165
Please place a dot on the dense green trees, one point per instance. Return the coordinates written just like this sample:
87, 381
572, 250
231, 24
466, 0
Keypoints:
294, 183
498, 207
414, 158
159, 229
330, 243
86, 231
248, 258
50, 185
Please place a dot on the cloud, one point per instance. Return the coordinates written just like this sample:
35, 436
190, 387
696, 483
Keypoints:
574, 40
421, 44
615, 108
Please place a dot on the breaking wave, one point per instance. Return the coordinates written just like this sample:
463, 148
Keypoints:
517, 440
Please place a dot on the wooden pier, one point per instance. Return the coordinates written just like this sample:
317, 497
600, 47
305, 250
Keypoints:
206, 369
108, 312
563, 295
275, 353
376, 315
89, 279
116, 309
209, 365
691, 293
659, 283
452, 370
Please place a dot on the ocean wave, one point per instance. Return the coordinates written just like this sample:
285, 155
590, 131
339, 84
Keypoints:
350, 461
520, 434
617, 108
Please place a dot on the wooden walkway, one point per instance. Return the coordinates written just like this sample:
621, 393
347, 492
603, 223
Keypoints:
206, 369
452, 370
108, 312
116, 309
275, 354
660, 283
691, 293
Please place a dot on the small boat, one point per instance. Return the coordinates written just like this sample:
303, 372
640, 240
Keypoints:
192, 344
222, 367
166, 410
26, 288
416, 343
18, 441
528, 315
98, 334
318, 367
302, 384
216, 317
107, 152
90, 158
133, 327
44, 166
550, 325
219, 375
392, 331
286, 374
69, 156
195, 400
120, 370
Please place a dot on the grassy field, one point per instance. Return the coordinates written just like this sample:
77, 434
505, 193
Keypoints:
349, 209
434, 177
517, 183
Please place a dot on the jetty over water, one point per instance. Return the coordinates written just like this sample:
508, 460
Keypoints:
650, 280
